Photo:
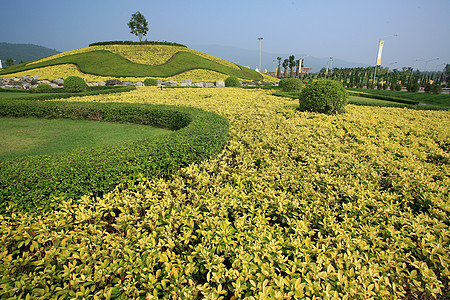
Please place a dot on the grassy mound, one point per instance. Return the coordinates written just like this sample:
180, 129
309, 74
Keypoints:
31, 183
106, 63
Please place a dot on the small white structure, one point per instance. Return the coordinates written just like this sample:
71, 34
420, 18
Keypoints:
1, 64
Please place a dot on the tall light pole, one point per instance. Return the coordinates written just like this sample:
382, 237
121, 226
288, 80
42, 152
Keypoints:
260, 39
380, 49
435, 70
389, 68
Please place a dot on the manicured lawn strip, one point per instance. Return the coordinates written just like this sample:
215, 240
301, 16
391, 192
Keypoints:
31, 136
432, 99
31, 183
105, 63
61, 94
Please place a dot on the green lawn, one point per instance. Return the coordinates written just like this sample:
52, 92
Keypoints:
373, 102
431, 99
105, 63
29, 137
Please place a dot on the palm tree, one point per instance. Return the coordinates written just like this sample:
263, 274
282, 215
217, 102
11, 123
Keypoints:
279, 67
285, 65
292, 65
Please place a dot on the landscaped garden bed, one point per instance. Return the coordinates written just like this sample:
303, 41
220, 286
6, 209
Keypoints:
297, 205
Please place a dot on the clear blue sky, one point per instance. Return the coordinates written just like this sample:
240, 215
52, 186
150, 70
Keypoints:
345, 29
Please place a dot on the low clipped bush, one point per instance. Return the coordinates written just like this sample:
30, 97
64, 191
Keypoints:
30, 183
413, 87
150, 82
291, 84
43, 88
324, 96
232, 82
75, 84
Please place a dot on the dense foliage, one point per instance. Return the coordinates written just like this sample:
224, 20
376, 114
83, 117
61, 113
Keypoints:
291, 84
232, 82
29, 183
150, 82
298, 205
75, 84
323, 96
138, 25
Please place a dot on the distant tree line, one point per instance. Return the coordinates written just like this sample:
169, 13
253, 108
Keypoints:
364, 76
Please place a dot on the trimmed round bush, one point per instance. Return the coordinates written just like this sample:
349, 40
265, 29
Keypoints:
291, 84
324, 96
413, 87
75, 84
436, 88
150, 82
232, 82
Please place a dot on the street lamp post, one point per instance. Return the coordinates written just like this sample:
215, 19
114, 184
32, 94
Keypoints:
426, 63
380, 48
260, 39
389, 68
435, 71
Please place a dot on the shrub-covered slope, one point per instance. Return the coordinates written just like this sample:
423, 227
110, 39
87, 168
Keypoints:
298, 205
132, 61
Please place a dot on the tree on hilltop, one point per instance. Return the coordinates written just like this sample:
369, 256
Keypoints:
138, 25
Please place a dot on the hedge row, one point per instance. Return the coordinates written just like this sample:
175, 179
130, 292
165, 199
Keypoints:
31, 183
61, 93
136, 43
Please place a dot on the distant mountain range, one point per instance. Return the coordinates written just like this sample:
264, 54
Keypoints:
24, 52
250, 58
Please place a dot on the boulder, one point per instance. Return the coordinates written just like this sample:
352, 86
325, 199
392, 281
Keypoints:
169, 83
53, 85
127, 83
102, 83
209, 84
92, 84
113, 82
58, 81
159, 82
199, 84
139, 84
43, 82
25, 78
219, 83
